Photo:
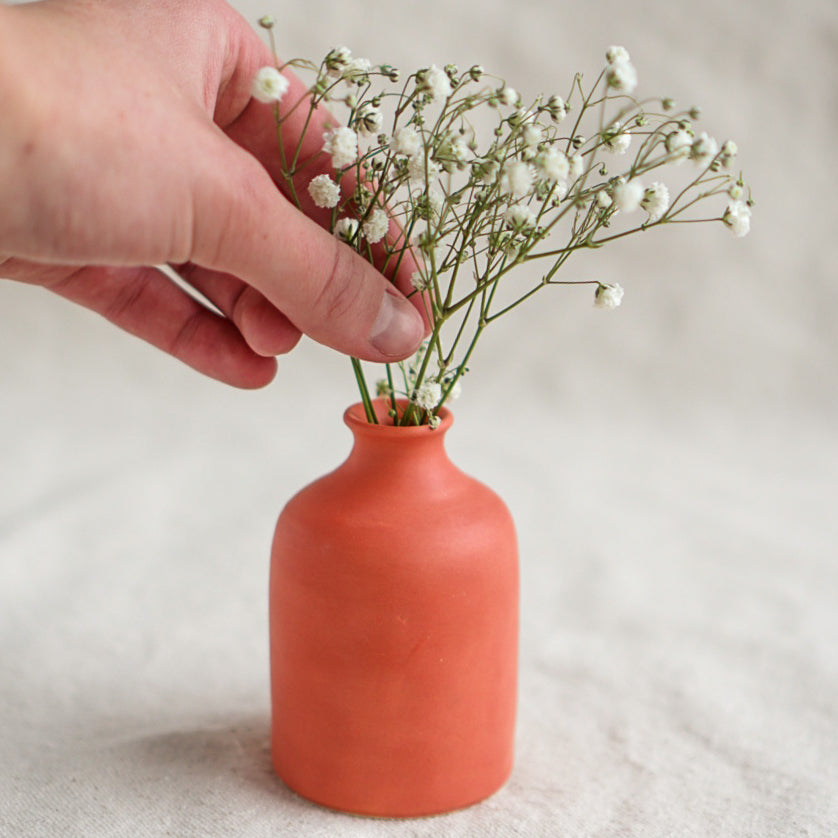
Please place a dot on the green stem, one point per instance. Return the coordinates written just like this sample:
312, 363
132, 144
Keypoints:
392, 393
365, 394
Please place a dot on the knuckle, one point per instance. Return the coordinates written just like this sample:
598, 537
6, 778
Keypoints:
127, 294
185, 337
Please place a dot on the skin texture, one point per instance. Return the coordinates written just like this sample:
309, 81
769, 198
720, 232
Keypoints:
130, 140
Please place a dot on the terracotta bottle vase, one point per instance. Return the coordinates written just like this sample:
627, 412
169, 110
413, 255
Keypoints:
394, 630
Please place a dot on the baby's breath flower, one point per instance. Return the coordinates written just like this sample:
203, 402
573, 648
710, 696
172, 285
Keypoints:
516, 178
628, 195
577, 167
736, 191
419, 281
603, 199
553, 164
608, 295
460, 150
324, 191
421, 173
704, 149
383, 388
428, 395
369, 119
522, 117
656, 201
616, 140
347, 229
532, 135
456, 391
622, 77
519, 219
428, 205
619, 72
337, 61
452, 153
342, 144
727, 153
376, 226
738, 217
617, 55
508, 96
435, 82
678, 144
486, 171
407, 141
269, 85
556, 108
357, 70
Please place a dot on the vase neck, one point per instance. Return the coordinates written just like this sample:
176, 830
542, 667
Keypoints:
405, 451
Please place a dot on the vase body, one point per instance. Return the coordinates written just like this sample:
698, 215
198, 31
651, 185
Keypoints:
394, 630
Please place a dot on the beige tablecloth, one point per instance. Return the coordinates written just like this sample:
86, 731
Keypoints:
672, 468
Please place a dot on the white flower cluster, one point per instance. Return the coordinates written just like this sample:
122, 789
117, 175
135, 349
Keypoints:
517, 178
324, 191
435, 83
608, 295
655, 201
620, 74
342, 144
738, 217
408, 168
628, 194
346, 229
269, 85
340, 64
376, 226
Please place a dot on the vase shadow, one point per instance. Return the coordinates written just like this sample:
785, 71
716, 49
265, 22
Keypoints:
225, 759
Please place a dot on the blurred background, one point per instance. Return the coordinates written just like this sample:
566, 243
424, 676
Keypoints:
672, 467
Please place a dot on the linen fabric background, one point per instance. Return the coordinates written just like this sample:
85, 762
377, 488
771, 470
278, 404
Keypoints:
672, 467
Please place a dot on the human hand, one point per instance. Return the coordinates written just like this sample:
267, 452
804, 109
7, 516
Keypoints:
130, 140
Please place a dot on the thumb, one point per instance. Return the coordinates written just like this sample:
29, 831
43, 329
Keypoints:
244, 226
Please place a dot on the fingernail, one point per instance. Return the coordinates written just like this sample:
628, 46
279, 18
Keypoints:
398, 329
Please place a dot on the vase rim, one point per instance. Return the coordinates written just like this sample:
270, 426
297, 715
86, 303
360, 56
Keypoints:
356, 419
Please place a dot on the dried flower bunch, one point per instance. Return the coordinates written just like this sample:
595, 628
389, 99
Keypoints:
456, 167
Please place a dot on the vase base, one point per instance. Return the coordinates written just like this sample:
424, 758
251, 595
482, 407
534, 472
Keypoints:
395, 813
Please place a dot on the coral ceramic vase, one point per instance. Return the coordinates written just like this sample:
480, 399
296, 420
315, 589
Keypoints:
394, 630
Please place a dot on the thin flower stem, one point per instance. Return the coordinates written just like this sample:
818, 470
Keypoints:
449, 357
462, 366
546, 280
393, 405
365, 395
